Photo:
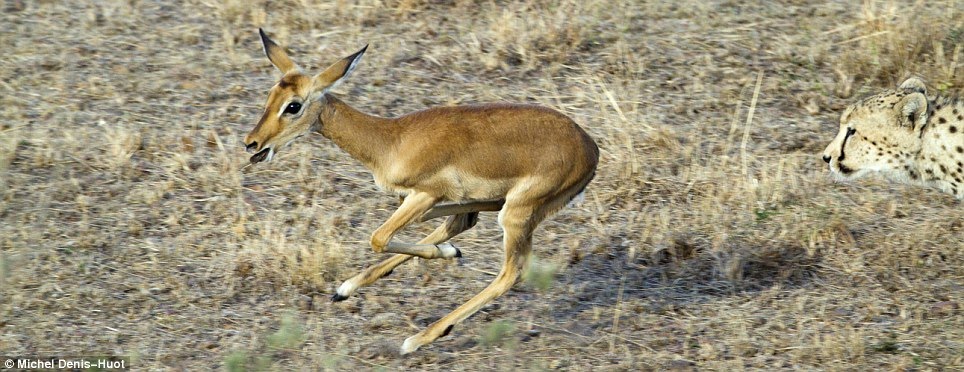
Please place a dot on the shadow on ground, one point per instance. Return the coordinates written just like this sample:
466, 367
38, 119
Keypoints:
681, 275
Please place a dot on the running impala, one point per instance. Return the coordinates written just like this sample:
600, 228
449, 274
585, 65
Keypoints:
524, 161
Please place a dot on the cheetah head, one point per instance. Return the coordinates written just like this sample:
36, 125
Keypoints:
881, 133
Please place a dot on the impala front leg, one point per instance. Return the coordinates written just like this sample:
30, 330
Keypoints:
453, 226
413, 207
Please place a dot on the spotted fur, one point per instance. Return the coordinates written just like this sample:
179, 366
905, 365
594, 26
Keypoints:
905, 135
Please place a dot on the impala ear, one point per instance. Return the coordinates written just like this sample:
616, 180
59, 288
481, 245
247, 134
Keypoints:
276, 54
336, 73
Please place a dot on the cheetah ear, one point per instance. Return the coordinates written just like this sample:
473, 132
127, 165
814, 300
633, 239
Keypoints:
845, 116
913, 109
914, 84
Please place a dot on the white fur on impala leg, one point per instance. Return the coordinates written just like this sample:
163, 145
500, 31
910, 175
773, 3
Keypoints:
345, 290
525, 161
447, 250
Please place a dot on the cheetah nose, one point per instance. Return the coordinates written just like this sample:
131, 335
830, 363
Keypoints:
826, 158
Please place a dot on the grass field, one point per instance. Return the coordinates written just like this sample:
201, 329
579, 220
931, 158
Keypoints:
712, 237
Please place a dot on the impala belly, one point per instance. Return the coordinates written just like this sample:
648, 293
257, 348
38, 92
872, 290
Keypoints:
452, 185
462, 186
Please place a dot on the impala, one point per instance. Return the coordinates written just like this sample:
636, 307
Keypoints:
524, 161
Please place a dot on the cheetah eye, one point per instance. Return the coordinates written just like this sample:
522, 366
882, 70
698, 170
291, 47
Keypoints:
851, 131
293, 108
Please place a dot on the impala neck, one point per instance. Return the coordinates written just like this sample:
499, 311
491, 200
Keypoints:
365, 137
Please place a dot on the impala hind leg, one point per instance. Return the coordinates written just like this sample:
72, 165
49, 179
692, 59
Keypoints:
517, 224
453, 226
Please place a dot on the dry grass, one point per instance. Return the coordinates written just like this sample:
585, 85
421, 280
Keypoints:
708, 240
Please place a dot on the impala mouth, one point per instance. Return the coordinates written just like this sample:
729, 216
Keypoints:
263, 155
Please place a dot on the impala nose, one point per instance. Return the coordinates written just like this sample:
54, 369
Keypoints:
826, 159
251, 147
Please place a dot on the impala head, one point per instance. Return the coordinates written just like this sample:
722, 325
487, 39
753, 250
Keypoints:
295, 103
880, 133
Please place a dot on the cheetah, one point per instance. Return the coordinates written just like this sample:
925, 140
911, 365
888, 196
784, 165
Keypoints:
903, 135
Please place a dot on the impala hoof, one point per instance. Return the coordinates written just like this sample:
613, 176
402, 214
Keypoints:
409, 346
344, 291
447, 250
458, 259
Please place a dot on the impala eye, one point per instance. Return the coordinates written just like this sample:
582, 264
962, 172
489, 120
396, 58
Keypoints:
293, 108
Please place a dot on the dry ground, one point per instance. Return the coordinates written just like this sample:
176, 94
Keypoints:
712, 237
